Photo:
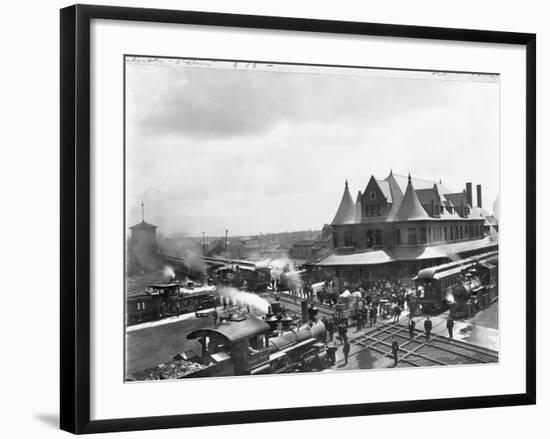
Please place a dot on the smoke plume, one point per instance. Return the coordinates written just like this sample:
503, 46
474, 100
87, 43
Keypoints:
237, 297
168, 272
285, 267
187, 249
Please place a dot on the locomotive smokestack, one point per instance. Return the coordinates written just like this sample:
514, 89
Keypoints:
305, 311
469, 194
479, 204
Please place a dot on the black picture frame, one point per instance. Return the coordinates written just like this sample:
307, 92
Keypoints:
75, 216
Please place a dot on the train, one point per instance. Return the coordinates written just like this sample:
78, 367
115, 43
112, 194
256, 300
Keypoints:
166, 300
463, 287
241, 274
242, 344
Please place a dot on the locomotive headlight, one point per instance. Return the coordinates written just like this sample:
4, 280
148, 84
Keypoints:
450, 298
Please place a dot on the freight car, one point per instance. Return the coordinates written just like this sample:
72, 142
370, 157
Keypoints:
463, 286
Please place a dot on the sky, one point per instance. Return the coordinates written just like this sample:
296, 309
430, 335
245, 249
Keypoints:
262, 148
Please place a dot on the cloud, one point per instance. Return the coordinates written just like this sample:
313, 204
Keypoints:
210, 149
216, 103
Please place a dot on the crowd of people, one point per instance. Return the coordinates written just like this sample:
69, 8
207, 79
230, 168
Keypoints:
382, 298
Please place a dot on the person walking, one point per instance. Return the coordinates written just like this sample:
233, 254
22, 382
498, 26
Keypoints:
396, 314
344, 333
372, 315
215, 316
428, 327
325, 322
450, 326
330, 329
395, 351
331, 352
407, 300
412, 325
346, 352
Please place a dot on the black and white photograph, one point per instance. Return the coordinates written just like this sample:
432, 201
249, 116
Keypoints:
294, 218
275, 219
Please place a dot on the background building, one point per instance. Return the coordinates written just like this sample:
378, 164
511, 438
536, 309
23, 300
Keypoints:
399, 225
143, 249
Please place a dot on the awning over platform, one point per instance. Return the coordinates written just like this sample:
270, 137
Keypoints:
466, 246
415, 253
365, 258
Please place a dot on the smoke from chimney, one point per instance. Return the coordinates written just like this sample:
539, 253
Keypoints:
469, 194
478, 187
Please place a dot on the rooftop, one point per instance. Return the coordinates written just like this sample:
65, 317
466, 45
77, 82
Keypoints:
346, 211
408, 199
408, 253
234, 330
143, 225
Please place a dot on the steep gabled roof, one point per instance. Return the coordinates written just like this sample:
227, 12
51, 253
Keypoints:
410, 209
384, 186
396, 195
426, 196
442, 189
358, 207
346, 211
418, 183
457, 199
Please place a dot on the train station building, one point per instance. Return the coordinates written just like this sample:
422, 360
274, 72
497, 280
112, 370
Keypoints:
399, 225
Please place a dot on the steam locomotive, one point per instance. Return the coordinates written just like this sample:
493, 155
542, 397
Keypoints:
246, 345
244, 275
464, 287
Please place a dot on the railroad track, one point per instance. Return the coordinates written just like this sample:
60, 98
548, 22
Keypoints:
417, 352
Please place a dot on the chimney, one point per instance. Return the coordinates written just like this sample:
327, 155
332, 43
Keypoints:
469, 194
479, 195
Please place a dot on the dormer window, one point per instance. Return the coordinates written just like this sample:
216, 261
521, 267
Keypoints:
372, 195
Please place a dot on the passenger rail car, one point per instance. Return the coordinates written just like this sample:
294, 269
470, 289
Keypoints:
166, 300
463, 286
142, 307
